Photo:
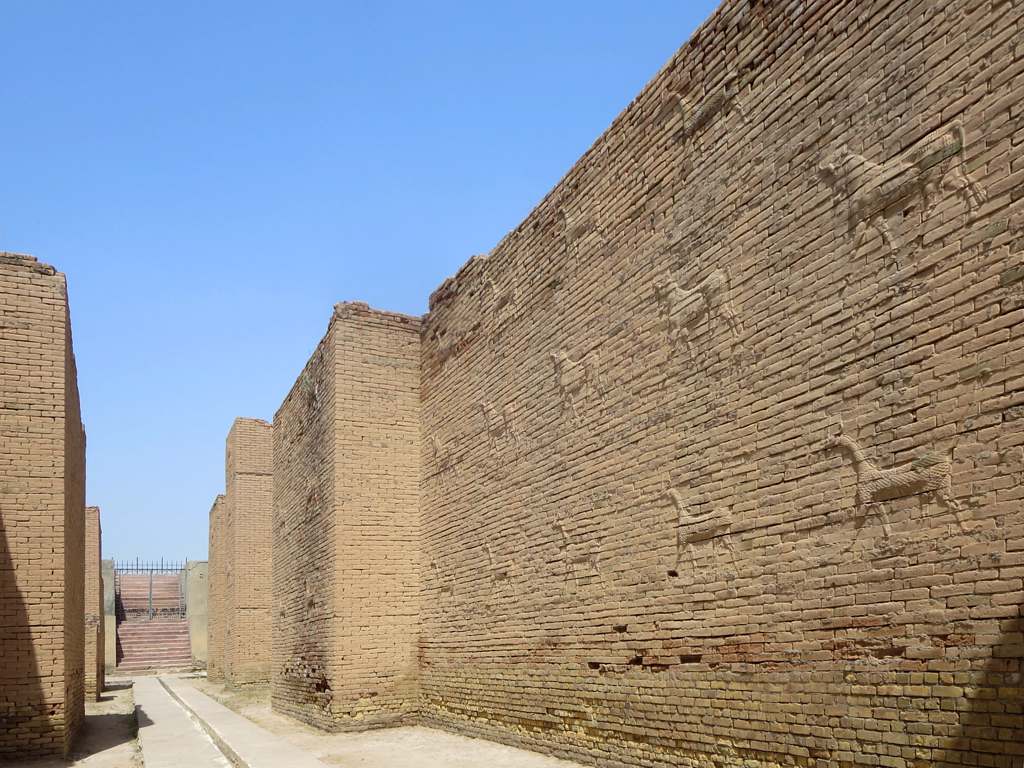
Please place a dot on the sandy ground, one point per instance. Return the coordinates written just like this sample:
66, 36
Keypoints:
108, 737
405, 747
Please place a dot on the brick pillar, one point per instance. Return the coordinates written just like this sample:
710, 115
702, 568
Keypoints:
215, 608
249, 489
42, 503
94, 649
346, 527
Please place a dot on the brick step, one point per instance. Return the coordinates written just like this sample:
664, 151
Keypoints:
154, 644
128, 666
182, 653
158, 647
152, 637
155, 658
144, 599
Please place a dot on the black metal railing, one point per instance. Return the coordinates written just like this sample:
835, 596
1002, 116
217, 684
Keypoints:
149, 566
148, 607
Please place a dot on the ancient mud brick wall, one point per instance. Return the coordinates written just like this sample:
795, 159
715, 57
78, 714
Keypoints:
94, 645
215, 623
346, 526
42, 502
723, 445
247, 555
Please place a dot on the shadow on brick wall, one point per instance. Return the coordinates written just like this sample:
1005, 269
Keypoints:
990, 725
23, 708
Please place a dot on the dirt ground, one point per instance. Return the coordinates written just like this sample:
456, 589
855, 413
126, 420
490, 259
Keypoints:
405, 747
108, 737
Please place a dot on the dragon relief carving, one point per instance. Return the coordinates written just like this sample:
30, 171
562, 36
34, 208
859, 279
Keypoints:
681, 309
695, 119
936, 163
928, 474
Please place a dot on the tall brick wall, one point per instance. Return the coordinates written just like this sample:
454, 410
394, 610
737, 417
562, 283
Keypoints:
303, 533
42, 500
346, 526
723, 445
215, 640
93, 611
247, 556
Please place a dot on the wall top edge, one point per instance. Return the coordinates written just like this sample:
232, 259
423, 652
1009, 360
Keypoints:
27, 262
345, 309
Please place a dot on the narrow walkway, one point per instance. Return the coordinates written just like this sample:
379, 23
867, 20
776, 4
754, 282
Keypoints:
238, 736
168, 736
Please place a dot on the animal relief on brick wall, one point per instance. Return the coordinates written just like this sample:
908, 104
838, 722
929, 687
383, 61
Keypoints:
576, 379
697, 114
579, 558
698, 524
930, 474
443, 460
500, 426
444, 587
683, 309
578, 227
874, 191
502, 303
500, 574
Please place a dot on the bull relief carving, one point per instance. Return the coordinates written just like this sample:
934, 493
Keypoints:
681, 309
872, 190
695, 526
500, 425
576, 379
504, 303
444, 462
576, 227
581, 565
443, 587
929, 474
501, 577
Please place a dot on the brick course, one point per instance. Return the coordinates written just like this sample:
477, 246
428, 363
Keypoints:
42, 502
94, 631
346, 527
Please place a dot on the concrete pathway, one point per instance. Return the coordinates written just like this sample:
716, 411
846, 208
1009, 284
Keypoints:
168, 736
237, 736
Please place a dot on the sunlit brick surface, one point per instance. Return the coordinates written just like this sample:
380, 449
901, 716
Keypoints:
346, 526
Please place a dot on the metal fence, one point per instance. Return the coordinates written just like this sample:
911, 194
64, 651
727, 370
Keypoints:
147, 566
149, 606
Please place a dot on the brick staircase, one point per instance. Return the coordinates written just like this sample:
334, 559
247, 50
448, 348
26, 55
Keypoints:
157, 643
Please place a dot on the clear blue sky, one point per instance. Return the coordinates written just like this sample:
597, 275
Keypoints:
213, 176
